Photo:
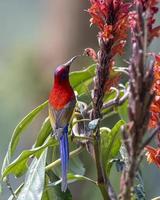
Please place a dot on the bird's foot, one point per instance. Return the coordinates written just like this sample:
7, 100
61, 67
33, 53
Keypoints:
58, 133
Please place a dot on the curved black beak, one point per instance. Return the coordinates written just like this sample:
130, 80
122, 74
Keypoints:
68, 63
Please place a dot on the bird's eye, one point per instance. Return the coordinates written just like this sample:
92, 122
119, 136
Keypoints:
63, 76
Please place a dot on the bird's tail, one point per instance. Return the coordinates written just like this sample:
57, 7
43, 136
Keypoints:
64, 154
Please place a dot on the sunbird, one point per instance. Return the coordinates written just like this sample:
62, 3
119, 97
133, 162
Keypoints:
62, 102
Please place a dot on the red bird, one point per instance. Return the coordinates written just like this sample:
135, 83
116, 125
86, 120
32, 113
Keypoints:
61, 106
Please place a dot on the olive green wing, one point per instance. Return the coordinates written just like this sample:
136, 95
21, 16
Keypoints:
60, 118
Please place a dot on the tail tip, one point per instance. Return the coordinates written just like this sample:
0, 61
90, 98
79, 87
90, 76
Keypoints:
64, 186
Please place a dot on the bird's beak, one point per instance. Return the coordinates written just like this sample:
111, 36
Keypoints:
68, 63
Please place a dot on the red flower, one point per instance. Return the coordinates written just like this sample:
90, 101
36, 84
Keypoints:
111, 17
114, 78
155, 32
151, 6
133, 18
106, 34
153, 155
119, 48
155, 106
97, 11
91, 53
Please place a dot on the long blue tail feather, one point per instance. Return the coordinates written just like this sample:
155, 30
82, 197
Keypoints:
64, 154
66, 143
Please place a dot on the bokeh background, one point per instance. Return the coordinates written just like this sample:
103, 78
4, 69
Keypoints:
36, 36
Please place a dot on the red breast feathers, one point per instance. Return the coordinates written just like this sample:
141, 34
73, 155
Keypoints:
62, 92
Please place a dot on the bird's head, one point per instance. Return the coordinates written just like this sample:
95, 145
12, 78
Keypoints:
62, 71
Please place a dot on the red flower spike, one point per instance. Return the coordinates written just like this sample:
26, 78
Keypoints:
107, 32
119, 48
116, 4
132, 19
111, 17
155, 106
155, 32
151, 8
153, 155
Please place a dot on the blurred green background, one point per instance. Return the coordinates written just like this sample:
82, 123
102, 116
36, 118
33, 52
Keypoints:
36, 36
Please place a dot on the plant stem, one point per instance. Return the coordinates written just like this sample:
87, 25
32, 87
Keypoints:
140, 98
58, 161
102, 180
82, 138
10, 188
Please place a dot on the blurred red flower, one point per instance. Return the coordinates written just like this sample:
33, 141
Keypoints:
153, 155
151, 6
155, 106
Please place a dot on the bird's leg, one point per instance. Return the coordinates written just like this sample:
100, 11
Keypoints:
52, 133
58, 133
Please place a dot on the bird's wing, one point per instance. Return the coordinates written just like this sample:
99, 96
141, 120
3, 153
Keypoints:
60, 118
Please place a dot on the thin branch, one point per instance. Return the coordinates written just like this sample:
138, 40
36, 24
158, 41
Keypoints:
148, 140
109, 114
10, 188
78, 137
124, 70
17, 191
58, 161
116, 101
80, 120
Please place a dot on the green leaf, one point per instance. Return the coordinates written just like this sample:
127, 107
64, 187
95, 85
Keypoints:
76, 166
44, 132
72, 178
20, 164
48, 193
80, 80
110, 144
156, 198
55, 192
123, 111
0, 188
109, 96
25, 122
77, 177
85, 97
34, 181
